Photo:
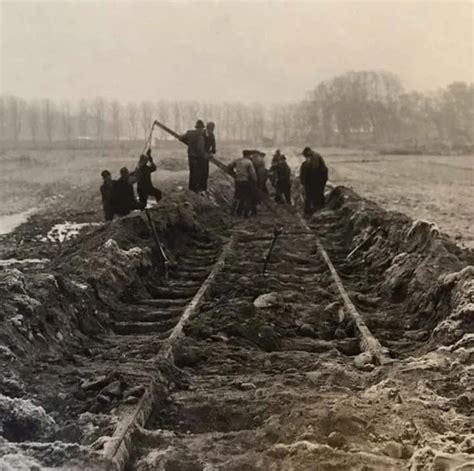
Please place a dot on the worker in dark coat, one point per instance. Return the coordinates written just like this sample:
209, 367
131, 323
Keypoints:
145, 186
195, 140
276, 156
245, 178
313, 176
275, 159
209, 150
281, 176
107, 193
258, 159
123, 194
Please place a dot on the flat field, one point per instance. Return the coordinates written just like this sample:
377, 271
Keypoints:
435, 188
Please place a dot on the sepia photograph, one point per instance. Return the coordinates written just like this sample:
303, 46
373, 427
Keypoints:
236, 235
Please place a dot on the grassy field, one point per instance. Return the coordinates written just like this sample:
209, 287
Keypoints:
436, 188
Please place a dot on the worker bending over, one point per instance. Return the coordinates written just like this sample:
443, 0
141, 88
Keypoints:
245, 177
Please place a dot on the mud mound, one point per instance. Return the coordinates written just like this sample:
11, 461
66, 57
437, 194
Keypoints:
70, 296
20, 420
54, 314
417, 266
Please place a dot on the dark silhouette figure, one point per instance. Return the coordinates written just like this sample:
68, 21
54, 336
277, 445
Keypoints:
313, 176
145, 187
123, 195
281, 176
195, 140
107, 193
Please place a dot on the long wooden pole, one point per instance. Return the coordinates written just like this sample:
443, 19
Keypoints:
263, 196
212, 159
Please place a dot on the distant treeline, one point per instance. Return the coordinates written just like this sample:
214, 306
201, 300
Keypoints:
366, 108
373, 108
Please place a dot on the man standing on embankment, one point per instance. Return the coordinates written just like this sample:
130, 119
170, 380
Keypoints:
195, 140
313, 176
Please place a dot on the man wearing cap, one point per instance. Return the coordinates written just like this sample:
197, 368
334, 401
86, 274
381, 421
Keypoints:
195, 140
245, 177
313, 176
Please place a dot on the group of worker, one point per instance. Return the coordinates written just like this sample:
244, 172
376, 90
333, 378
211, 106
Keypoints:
249, 171
251, 175
118, 196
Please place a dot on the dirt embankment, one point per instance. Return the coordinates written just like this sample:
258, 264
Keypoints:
417, 266
57, 312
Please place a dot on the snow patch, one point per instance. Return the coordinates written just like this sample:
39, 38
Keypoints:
66, 231
21, 420
25, 261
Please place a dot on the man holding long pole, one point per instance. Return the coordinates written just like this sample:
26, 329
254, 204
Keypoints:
195, 140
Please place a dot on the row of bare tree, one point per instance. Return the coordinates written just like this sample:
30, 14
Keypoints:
103, 120
371, 106
365, 106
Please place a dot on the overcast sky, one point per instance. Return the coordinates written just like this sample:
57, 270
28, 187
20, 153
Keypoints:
215, 51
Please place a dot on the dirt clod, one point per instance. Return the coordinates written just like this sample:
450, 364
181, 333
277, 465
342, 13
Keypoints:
336, 440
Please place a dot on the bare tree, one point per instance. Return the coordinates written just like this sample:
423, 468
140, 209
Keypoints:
132, 119
47, 113
177, 116
15, 113
83, 120
66, 120
116, 112
163, 113
146, 117
99, 115
257, 122
33, 119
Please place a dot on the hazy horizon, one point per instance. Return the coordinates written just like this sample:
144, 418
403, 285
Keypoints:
225, 51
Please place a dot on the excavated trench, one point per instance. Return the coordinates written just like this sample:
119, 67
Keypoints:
221, 367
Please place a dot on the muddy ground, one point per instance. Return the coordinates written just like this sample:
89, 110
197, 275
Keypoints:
272, 382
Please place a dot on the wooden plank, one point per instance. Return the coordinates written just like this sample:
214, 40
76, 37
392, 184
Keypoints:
117, 449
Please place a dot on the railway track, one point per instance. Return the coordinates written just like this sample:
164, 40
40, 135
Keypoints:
223, 367
256, 349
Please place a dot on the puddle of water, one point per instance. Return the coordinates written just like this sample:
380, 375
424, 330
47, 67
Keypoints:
10, 222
